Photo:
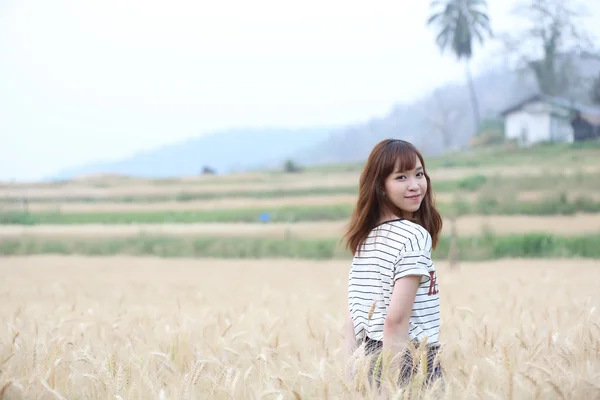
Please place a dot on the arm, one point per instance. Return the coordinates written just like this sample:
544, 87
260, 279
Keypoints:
410, 271
396, 325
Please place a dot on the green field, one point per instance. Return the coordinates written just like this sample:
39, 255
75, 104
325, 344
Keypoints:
484, 205
486, 246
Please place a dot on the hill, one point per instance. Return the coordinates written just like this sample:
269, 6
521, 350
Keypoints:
250, 149
226, 151
497, 89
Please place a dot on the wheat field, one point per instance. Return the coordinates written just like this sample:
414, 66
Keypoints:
149, 328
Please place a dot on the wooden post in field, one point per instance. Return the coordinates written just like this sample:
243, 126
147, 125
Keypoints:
453, 253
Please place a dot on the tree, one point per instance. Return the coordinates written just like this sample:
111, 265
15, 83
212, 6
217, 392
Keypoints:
443, 116
595, 94
207, 170
458, 23
291, 167
556, 38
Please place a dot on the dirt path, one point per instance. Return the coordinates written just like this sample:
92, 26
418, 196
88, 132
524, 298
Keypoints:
199, 205
149, 189
468, 225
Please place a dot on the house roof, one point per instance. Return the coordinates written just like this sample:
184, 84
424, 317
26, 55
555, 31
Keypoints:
590, 111
593, 119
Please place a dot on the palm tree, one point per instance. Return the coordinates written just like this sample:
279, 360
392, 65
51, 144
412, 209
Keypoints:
457, 23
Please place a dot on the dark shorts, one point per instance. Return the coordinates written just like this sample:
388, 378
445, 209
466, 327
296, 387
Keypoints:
408, 368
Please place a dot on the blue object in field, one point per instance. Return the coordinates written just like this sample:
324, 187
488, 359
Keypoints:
265, 217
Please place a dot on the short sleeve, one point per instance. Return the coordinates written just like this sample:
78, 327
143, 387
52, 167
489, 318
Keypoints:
416, 260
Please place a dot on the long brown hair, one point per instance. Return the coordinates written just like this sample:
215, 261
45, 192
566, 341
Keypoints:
371, 203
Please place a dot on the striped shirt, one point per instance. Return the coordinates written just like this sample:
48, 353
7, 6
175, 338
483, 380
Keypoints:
394, 249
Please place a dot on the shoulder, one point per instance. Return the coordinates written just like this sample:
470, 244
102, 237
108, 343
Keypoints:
416, 238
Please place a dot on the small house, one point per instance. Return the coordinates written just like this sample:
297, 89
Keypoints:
542, 118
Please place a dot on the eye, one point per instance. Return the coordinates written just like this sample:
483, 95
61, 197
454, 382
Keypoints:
401, 177
420, 174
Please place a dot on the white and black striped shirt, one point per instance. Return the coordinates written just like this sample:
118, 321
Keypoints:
394, 249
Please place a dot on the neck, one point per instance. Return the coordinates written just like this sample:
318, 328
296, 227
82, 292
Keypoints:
389, 216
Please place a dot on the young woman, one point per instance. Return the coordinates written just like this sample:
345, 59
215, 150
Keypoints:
393, 293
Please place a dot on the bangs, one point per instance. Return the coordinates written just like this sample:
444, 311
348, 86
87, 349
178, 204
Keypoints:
399, 156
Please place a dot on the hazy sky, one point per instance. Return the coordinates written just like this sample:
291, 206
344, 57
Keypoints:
84, 81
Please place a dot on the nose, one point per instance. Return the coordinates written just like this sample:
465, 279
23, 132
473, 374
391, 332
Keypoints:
412, 185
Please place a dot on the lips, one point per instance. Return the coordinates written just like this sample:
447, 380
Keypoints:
415, 197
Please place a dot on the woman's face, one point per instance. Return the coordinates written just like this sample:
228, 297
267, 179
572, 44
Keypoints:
406, 189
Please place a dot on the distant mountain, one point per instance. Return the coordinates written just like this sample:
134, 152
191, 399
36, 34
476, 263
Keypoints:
246, 149
226, 151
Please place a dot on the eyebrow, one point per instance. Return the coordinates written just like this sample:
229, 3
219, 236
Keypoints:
416, 169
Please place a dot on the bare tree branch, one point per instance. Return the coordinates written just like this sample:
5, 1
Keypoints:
443, 116
547, 46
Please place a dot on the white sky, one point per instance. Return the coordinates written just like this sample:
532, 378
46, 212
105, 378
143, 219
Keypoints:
83, 81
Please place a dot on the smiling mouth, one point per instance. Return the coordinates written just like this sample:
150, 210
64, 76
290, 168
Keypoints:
415, 197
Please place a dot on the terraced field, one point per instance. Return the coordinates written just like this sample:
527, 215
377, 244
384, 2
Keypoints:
541, 200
